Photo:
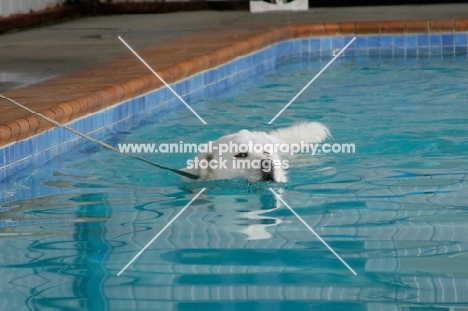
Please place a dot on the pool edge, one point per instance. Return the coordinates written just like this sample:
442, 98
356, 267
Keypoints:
22, 128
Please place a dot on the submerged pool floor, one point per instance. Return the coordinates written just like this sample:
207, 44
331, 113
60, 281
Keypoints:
396, 210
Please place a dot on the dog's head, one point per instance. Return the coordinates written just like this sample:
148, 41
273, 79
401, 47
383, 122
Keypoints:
241, 155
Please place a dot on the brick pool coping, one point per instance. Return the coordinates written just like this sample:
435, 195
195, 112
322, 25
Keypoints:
92, 89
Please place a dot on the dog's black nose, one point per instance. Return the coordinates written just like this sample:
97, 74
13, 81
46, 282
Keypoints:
270, 176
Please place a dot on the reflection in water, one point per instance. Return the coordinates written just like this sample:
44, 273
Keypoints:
248, 215
235, 249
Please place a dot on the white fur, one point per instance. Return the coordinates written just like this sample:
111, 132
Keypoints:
306, 132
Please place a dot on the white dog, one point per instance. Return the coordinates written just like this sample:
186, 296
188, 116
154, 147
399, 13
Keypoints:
255, 156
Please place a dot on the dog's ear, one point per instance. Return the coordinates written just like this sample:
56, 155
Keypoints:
205, 173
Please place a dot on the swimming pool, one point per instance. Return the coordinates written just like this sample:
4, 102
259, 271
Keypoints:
395, 210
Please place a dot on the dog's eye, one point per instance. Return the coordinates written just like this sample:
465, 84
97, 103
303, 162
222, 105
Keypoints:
241, 155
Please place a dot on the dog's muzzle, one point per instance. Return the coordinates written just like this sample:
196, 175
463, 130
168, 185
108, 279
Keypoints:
268, 171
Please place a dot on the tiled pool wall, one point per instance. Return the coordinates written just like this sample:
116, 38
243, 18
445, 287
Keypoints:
409, 45
39, 149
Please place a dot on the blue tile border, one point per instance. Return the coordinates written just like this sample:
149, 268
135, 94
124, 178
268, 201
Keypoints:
39, 149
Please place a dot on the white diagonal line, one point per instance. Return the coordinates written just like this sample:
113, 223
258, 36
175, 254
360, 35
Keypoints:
159, 77
160, 232
313, 231
311, 81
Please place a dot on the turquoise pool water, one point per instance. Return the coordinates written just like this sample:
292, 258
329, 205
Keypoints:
396, 210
